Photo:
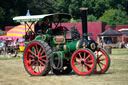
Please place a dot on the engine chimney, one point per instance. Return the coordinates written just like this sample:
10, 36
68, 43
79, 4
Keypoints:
84, 22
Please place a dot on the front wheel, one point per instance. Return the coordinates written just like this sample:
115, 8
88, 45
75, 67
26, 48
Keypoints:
36, 58
83, 62
103, 61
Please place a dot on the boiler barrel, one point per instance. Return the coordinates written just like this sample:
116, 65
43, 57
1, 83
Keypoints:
71, 46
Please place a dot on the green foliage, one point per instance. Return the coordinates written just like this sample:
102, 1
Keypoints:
74, 8
92, 18
11, 8
61, 6
114, 16
40, 6
1, 14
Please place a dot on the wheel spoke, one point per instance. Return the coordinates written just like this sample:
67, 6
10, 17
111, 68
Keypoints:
39, 51
102, 64
100, 55
89, 62
41, 63
36, 48
44, 60
76, 63
31, 56
42, 56
31, 52
38, 67
80, 56
29, 61
87, 57
35, 66
82, 68
79, 67
99, 66
42, 52
102, 59
88, 67
97, 53
84, 55
33, 63
32, 60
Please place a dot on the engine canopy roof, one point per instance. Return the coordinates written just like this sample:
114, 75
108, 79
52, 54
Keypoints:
57, 17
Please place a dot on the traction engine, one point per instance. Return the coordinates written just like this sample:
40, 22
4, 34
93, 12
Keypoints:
64, 51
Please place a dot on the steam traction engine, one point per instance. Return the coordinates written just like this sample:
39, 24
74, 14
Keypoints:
62, 51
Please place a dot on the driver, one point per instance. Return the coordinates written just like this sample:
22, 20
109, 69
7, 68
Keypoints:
41, 26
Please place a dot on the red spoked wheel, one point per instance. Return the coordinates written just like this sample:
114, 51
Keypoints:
36, 58
103, 61
83, 62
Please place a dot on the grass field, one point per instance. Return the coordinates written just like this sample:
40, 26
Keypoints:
12, 72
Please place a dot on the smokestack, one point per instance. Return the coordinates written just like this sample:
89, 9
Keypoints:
84, 22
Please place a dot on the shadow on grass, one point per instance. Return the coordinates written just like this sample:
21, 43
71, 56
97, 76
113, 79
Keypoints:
73, 73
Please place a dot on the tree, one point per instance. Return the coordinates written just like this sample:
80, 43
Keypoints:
96, 7
40, 6
74, 8
114, 16
119, 4
61, 6
92, 18
1, 14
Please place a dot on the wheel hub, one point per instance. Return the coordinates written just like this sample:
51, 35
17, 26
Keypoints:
36, 58
82, 62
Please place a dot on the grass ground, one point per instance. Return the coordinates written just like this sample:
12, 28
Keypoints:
12, 72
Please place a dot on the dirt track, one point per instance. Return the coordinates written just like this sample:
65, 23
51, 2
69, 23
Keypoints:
12, 72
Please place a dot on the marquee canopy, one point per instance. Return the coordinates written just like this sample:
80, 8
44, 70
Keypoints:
109, 32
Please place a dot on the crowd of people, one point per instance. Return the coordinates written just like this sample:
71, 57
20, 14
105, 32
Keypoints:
9, 47
112, 41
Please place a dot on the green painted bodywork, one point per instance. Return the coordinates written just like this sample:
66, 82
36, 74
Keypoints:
68, 47
44, 37
63, 47
71, 46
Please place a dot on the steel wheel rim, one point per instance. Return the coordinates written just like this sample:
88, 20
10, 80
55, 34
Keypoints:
102, 61
35, 58
85, 64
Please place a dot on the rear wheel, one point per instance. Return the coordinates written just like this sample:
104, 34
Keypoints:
36, 58
83, 62
103, 61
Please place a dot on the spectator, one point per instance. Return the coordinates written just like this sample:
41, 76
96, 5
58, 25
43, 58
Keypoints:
16, 48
